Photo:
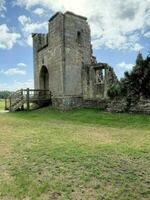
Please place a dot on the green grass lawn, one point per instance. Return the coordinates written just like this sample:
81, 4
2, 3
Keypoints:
80, 154
2, 106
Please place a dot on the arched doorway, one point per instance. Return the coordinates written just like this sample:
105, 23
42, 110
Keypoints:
44, 78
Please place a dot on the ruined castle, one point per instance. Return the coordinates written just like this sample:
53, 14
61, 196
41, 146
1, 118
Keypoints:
64, 64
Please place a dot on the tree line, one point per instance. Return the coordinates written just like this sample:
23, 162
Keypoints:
4, 94
135, 84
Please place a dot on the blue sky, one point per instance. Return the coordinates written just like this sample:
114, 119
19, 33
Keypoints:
119, 30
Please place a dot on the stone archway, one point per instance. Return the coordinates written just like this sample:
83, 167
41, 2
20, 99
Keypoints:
44, 78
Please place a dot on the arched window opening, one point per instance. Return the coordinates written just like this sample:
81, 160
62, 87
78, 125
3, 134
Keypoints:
44, 78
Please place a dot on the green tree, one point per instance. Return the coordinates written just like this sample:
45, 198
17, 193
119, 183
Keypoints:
4, 94
135, 84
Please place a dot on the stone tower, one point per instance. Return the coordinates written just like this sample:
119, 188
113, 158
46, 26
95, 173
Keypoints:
60, 56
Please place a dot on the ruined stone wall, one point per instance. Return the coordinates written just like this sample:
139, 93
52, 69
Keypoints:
40, 41
117, 105
97, 79
63, 51
77, 52
66, 52
55, 54
143, 106
121, 105
48, 51
95, 103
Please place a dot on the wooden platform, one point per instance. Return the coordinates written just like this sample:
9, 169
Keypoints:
20, 98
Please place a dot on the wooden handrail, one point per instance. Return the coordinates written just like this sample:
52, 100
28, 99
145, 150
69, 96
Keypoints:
26, 95
36, 90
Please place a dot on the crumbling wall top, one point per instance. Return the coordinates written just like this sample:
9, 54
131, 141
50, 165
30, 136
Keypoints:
41, 40
67, 13
71, 13
55, 15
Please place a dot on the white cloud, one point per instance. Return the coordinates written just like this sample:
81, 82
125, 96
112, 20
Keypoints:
114, 23
125, 66
118, 41
29, 40
24, 19
16, 85
18, 70
28, 27
7, 38
2, 8
54, 5
3, 86
147, 34
21, 65
13, 71
39, 11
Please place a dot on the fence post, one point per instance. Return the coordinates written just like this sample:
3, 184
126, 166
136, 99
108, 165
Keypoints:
22, 107
28, 99
10, 104
5, 103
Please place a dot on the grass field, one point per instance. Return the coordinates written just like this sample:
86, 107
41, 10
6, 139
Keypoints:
1, 104
82, 154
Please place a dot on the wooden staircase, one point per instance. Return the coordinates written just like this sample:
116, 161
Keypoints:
20, 98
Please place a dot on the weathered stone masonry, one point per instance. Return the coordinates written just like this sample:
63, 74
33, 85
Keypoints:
63, 63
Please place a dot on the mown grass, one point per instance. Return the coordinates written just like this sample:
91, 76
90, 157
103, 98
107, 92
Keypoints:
2, 104
90, 116
79, 154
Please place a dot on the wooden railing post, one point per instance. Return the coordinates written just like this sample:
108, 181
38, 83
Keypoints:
5, 103
10, 108
21, 93
22, 107
28, 99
